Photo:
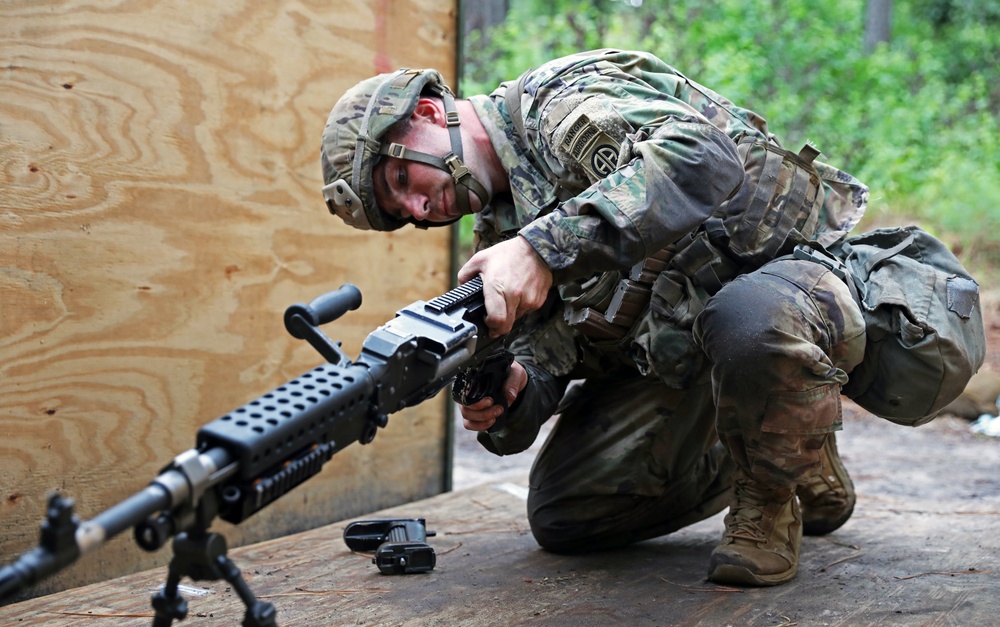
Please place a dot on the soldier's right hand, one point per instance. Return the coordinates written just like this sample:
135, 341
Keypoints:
516, 281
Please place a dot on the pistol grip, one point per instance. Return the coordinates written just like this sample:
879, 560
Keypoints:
486, 379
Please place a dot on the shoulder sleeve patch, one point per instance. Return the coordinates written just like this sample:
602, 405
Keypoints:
589, 139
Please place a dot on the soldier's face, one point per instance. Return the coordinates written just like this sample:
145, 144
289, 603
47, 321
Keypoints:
409, 189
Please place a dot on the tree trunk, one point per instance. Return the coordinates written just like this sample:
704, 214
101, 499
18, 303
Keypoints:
482, 14
878, 24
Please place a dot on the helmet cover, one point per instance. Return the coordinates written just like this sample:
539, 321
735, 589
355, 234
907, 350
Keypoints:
351, 142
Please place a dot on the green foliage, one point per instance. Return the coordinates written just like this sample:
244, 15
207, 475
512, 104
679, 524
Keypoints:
917, 119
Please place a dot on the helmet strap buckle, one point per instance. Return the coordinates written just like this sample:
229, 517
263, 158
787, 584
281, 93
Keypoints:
457, 169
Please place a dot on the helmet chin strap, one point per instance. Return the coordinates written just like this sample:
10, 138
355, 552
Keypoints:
451, 163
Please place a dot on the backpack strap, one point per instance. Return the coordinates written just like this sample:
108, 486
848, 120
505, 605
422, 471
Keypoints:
817, 254
512, 98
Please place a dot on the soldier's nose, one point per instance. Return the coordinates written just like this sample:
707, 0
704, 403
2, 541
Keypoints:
417, 207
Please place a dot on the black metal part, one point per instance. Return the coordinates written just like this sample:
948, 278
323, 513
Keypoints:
435, 340
303, 321
399, 544
284, 437
404, 558
56, 549
201, 556
465, 295
152, 533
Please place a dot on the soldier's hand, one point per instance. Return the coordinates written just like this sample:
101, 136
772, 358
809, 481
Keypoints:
516, 281
481, 415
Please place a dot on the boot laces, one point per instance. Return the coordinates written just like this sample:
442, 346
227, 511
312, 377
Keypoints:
747, 513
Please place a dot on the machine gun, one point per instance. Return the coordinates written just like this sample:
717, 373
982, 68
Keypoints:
253, 455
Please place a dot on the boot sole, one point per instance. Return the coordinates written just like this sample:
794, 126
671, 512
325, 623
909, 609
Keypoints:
742, 576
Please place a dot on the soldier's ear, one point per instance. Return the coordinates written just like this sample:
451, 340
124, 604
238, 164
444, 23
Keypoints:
429, 110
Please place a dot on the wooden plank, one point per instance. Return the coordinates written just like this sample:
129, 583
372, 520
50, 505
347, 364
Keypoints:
920, 549
160, 209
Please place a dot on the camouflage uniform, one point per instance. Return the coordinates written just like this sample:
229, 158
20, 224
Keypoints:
614, 157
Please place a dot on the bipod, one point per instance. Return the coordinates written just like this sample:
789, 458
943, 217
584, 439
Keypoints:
201, 556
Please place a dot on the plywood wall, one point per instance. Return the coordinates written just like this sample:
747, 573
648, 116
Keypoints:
159, 209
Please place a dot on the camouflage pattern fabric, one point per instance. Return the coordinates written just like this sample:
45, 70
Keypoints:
777, 374
629, 459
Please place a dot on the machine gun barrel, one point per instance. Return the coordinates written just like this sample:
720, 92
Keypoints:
64, 538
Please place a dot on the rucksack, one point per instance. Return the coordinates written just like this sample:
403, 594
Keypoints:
924, 323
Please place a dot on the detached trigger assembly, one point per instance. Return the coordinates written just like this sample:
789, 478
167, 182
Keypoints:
399, 544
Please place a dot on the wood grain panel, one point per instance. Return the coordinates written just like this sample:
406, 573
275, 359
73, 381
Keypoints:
159, 210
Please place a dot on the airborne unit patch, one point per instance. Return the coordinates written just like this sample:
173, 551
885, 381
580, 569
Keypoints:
591, 147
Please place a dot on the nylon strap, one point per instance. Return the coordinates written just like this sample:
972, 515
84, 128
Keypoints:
875, 260
797, 194
767, 182
512, 98
810, 251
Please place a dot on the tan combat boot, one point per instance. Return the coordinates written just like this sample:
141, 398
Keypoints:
828, 498
760, 546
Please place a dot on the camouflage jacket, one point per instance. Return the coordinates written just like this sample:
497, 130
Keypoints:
614, 156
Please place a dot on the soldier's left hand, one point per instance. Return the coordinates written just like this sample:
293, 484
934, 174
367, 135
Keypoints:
484, 413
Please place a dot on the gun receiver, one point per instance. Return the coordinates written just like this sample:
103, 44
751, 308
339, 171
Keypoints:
250, 457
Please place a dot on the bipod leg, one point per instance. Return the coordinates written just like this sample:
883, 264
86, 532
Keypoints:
259, 613
201, 556
168, 604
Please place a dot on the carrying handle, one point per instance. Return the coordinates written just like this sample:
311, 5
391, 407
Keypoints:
303, 321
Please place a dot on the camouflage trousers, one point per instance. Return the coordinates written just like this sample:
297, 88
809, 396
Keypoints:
631, 458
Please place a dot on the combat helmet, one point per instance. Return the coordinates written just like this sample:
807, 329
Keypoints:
352, 146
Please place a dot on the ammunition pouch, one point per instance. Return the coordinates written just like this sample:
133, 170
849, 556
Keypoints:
663, 344
605, 307
778, 205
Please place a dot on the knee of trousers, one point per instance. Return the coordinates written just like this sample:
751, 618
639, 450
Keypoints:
582, 523
565, 527
787, 320
738, 325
